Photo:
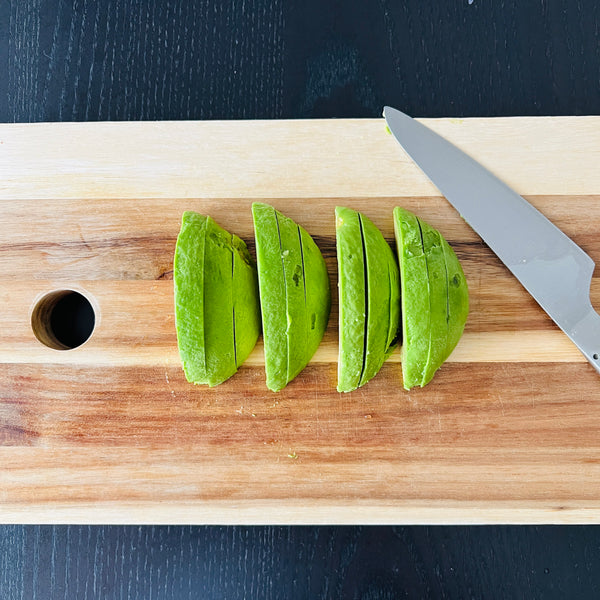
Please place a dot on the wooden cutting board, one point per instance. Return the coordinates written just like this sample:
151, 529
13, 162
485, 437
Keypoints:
508, 431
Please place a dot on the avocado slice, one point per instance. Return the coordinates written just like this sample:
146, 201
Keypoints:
272, 288
458, 297
352, 298
435, 298
381, 299
369, 299
414, 284
318, 292
438, 300
246, 304
188, 283
216, 300
394, 318
294, 293
218, 304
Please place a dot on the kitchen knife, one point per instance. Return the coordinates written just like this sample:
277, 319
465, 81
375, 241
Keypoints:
551, 267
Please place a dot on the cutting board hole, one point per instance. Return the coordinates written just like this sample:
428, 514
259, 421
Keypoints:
63, 319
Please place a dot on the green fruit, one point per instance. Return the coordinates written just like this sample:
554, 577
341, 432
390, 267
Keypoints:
219, 344
434, 298
318, 292
414, 285
246, 303
352, 298
216, 300
438, 300
188, 280
458, 297
382, 299
294, 294
271, 284
394, 316
369, 299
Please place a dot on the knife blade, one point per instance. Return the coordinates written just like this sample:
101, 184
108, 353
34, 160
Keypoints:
551, 267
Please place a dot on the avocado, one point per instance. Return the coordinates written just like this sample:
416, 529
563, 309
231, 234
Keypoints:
217, 313
294, 294
435, 301
415, 302
368, 299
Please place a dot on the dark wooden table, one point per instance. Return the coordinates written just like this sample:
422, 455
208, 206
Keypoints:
66, 60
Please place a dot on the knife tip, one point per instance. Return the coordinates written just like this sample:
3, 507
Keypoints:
390, 112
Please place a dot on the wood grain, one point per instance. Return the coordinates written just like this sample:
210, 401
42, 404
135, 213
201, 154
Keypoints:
222, 160
111, 432
144, 59
86, 61
305, 563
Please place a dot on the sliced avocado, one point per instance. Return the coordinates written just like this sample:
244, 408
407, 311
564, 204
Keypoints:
272, 288
246, 304
414, 284
438, 300
218, 304
352, 298
435, 299
394, 318
294, 294
188, 283
369, 299
318, 293
216, 300
458, 297
380, 268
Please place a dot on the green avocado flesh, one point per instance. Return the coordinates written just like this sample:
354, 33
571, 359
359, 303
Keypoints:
216, 300
352, 301
294, 294
438, 300
433, 314
246, 303
188, 280
414, 284
318, 293
369, 302
458, 297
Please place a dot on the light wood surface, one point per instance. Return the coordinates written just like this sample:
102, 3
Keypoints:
508, 431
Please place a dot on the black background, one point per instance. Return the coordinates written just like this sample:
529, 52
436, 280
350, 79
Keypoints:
77, 60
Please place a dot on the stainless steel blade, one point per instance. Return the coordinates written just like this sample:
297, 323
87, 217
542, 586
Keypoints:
551, 267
